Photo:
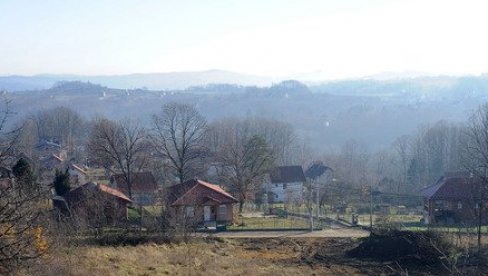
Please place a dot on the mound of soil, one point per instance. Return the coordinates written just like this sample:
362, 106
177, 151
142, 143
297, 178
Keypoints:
402, 246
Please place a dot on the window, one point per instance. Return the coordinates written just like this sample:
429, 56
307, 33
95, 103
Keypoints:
190, 211
460, 205
439, 204
222, 210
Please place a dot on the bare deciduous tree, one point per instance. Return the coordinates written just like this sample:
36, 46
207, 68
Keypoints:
177, 135
61, 123
243, 159
281, 139
121, 147
401, 160
476, 160
21, 237
19, 215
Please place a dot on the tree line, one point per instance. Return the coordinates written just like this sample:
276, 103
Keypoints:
179, 144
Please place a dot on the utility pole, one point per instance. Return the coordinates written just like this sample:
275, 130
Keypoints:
480, 208
265, 198
317, 190
370, 211
310, 203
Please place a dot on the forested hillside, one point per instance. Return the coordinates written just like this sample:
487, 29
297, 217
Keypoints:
371, 112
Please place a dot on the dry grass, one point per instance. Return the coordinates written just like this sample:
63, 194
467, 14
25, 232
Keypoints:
269, 223
251, 256
228, 257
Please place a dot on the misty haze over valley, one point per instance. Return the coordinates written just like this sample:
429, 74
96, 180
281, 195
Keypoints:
373, 112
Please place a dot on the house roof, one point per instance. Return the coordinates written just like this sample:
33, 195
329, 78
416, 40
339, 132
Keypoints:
141, 182
454, 185
52, 157
78, 168
214, 187
95, 187
197, 192
113, 192
46, 143
316, 169
287, 174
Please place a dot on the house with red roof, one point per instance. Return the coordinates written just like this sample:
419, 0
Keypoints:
200, 203
454, 199
94, 204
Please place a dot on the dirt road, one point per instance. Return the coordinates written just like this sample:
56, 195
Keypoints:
327, 233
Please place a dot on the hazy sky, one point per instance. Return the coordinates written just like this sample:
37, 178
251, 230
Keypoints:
335, 39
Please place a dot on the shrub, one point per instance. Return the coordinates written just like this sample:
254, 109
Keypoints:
403, 246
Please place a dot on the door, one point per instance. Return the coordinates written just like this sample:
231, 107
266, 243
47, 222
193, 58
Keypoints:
207, 213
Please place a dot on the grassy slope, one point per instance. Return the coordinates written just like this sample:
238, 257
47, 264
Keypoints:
228, 257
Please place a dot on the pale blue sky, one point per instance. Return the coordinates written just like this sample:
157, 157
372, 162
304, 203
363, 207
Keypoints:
335, 39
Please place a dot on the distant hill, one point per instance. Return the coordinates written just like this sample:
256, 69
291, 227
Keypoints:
154, 81
426, 88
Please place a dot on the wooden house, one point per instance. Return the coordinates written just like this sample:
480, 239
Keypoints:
456, 198
94, 204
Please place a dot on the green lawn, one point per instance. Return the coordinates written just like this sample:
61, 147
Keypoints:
153, 211
446, 229
269, 223
132, 213
149, 211
396, 219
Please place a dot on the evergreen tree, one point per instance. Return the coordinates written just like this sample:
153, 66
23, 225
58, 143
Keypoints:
413, 174
61, 182
23, 174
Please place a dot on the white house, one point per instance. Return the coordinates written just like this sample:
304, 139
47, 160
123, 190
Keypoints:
287, 184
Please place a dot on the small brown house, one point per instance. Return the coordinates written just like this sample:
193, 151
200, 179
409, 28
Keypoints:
200, 203
454, 199
94, 204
